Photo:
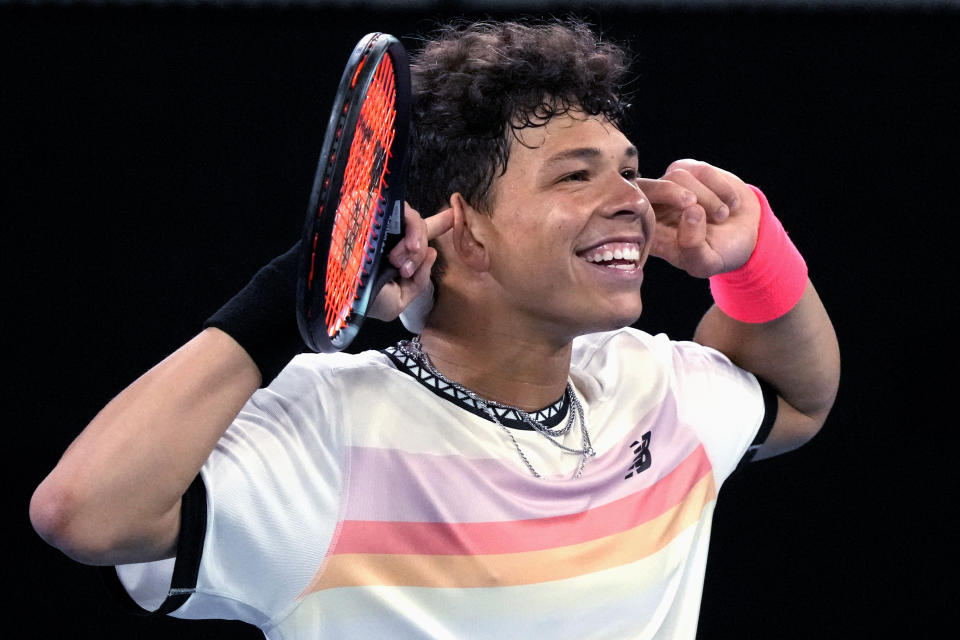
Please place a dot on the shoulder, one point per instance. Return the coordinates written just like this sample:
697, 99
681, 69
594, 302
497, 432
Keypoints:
633, 359
588, 347
697, 387
605, 365
325, 364
636, 347
595, 349
316, 370
313, 389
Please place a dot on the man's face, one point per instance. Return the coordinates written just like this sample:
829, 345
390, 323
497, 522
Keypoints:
572, 229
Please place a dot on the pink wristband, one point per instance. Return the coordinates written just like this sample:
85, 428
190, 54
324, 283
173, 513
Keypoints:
772, 280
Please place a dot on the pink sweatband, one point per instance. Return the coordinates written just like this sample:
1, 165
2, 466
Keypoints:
772, 280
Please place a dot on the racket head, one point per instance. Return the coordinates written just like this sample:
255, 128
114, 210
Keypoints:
355, 211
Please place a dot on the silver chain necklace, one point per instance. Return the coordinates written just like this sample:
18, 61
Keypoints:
414, 350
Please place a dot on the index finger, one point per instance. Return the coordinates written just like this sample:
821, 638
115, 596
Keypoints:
720, 182
439, 223
665, 192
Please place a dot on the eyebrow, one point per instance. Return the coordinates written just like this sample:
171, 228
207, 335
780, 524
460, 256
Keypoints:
586, 153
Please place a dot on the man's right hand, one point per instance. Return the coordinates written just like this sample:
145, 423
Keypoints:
413, 259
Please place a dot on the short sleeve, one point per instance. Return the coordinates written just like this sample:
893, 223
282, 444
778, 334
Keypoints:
725, 405
262, 512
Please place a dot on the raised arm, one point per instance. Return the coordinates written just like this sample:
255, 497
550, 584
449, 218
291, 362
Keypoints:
796, 353
114, 496
775, 325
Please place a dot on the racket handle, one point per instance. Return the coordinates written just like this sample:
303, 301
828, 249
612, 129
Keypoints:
394, 228
385, 275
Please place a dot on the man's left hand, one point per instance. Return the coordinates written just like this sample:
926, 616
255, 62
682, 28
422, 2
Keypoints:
707, 218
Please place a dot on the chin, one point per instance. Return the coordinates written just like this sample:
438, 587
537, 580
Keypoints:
612, 322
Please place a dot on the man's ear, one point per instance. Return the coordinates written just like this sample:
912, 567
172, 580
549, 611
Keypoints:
471, 230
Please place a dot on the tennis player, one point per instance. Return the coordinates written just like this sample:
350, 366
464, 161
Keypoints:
527, 465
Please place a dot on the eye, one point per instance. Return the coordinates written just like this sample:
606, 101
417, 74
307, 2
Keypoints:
630, 174
576, 176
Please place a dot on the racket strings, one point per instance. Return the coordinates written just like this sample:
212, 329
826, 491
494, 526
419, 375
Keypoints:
360, 210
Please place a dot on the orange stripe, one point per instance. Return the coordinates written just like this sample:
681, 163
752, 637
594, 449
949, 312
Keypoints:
510, 569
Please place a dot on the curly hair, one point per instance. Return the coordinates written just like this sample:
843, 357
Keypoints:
475, 84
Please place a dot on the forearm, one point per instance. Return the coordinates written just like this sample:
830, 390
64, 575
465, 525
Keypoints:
797, 353
114, 496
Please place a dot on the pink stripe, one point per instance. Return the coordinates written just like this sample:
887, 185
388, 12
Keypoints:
479, 538
453, 488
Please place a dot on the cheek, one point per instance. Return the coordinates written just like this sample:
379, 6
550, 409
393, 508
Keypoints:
552, 244
557, 225
541, 233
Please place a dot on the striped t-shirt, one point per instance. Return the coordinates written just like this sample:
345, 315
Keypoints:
358, 496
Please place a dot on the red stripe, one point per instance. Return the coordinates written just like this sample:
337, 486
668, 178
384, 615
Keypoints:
480, 538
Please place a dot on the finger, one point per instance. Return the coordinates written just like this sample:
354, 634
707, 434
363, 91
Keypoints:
712, 204
416, 231
409, 255
665, 195
397, 295
419, 281
692, 230
439, 223
696, 256
722, 183
403, 260
422, 276
409, 252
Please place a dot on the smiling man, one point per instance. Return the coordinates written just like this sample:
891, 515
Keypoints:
526, 466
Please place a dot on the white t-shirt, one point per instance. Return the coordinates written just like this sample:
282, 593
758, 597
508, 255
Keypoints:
358, 497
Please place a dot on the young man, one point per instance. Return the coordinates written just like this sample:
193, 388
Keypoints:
526, 466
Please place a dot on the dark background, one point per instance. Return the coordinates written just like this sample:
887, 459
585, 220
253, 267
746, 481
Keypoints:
154, 158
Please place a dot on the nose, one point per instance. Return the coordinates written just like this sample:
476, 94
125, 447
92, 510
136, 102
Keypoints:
623, 198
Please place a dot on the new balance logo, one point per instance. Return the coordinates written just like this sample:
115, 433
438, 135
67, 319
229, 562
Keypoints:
641, 456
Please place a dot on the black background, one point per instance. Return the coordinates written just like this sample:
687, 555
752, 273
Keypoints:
154, 158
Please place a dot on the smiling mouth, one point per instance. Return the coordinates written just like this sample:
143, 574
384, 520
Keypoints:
614, 255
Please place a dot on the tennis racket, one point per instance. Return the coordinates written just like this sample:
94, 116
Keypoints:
355, 212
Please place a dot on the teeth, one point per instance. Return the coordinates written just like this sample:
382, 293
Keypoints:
624, 251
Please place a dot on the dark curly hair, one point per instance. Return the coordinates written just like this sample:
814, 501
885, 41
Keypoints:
475, 85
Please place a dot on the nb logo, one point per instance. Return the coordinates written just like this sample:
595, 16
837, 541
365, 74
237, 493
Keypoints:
641, 455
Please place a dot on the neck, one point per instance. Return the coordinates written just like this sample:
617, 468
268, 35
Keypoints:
498, 364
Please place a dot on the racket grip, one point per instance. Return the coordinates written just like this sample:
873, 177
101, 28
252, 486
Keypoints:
262, 317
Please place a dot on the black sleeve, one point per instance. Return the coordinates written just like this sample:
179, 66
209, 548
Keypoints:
769, 417
193, 527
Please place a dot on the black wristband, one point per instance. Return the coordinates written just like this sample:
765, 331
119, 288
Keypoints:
262, 316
